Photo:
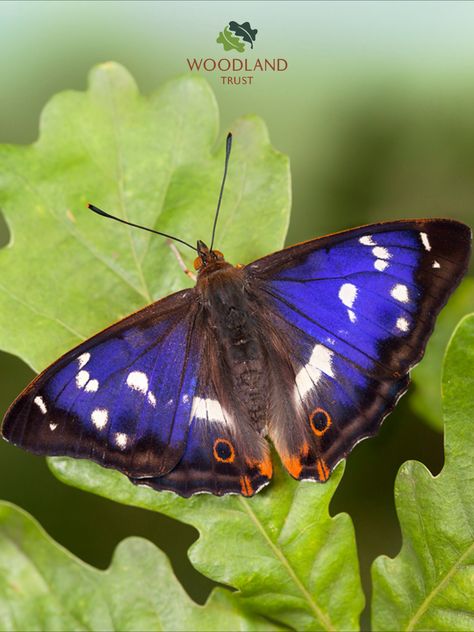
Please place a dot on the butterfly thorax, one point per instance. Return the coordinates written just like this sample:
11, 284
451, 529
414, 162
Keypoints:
229, 313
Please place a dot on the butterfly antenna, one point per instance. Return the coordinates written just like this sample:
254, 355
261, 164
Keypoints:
228, 147
99, 211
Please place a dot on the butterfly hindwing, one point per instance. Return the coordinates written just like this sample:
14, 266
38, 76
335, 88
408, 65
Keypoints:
123, 398
354, 311
224, 452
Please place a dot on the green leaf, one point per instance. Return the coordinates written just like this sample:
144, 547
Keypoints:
289, 559
426, 397
67, 272
430, 584
152, 160
229, 41
44, 587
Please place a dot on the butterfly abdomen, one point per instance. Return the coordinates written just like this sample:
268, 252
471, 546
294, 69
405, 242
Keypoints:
229, 313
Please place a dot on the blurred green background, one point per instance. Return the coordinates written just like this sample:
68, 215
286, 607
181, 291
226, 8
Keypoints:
376, 114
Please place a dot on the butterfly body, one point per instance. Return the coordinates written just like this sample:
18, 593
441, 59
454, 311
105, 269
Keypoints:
237, 353
309, 347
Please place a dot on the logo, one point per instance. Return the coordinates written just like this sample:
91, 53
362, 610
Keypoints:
236, 36
237, 69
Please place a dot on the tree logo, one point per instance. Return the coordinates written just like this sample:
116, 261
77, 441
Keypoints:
235, 36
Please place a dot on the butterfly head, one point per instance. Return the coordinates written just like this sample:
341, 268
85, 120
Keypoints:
207, 258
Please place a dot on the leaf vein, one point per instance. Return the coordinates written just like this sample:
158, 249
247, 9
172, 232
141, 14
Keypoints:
437, 589
120, 190
73, 232
42, 314
320, 615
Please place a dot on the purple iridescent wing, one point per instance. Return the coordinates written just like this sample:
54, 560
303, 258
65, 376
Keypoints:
354, 311
224, 452
123, 398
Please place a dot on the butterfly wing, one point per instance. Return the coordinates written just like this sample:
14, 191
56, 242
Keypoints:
346, 317
354, 312
220, 458
123, 398
224, 452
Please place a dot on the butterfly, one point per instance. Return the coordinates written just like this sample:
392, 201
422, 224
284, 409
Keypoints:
310, 347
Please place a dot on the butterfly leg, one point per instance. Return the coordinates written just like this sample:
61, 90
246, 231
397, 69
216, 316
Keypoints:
181, 263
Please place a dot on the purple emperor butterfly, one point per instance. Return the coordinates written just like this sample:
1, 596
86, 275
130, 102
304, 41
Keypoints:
310, 347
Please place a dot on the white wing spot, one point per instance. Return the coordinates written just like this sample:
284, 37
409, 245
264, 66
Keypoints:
400, 293
208, 409
321, 358
82, 378
185, 399
100, 417
367, 240
214, 410
199, 408
425, 241
151, 399
39, 401
83, 359
347, 294
308, 377
381, 253
402, 324
53, 426
121, 440
436, 264
380, 265
92, 386
138, 381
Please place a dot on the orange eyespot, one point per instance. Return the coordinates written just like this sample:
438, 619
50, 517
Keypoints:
198, 263
319, 421
223, 451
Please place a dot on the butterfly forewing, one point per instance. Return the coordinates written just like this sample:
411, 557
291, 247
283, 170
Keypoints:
355, 310
123, 398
